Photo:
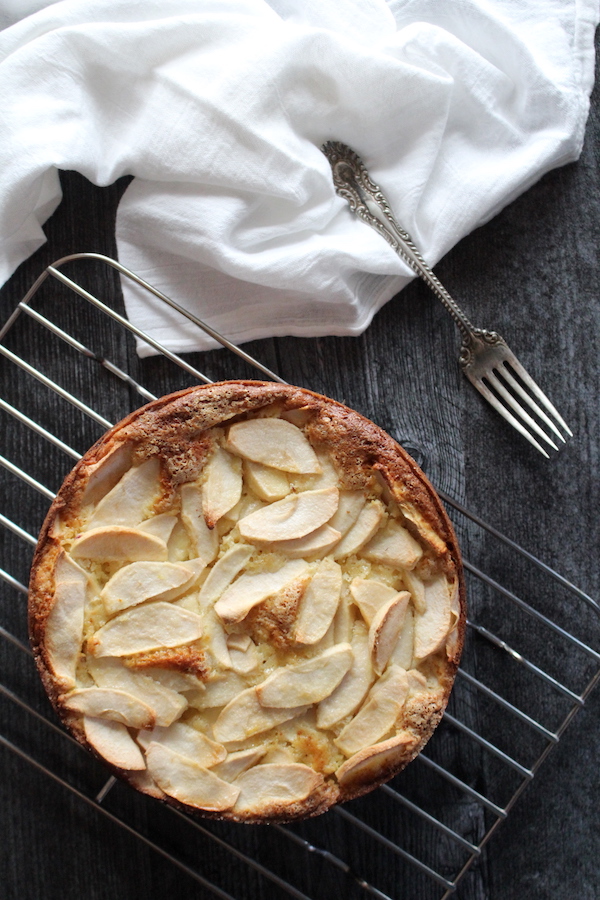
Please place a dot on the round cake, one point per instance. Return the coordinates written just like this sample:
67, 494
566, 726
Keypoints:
248, 601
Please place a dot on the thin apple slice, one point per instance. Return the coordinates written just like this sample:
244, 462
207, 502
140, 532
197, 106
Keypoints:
275, 443
354, 686
370, 595
110, 704
64, 625
351, 505
368, 763
161, 526
307, 682
114, 743
251, 589
132, 498
240, 642
223, 486
268, 484
141, 629
385, 629
367, 523
222, 574
186, 741
187, 781
147, 580
116, 543
104, 475
454, 635
293, 517
393, 546
378, 715
109, 672
318, 542
244, 716
274, 785
243, 661
173, 680
239, 762
220, 691
417, 591
205, 540
217, 639
434, 625
319, 603
402, 654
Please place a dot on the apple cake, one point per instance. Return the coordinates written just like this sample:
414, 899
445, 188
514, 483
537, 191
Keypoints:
248, 601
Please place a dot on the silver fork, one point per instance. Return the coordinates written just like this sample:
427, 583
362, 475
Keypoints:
485, 358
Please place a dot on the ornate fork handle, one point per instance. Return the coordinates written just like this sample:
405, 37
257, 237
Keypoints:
367, 200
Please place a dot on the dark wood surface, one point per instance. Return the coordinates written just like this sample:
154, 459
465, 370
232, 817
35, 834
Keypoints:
532, 273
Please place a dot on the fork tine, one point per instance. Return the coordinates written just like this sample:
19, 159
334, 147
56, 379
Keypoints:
496, 383
533, 387
512, 420
514, 384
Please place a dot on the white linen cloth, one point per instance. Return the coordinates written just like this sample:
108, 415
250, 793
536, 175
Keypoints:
219, 108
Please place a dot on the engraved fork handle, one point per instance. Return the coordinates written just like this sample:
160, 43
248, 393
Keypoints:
365, 198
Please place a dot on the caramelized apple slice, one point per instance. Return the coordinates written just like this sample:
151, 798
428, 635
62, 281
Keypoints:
187, 781
275, 443
274, 785
114, 743
132, 498
378, 715
64, 625
110, 704
307, 682
116, 543
319, 603
223, 486
144, 628
293, 517
251, 589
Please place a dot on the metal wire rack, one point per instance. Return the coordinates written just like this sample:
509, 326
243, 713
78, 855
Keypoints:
523, 677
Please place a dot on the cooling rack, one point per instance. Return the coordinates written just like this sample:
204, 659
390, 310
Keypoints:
523, 677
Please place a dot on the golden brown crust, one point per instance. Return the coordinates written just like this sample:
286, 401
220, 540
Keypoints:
176, 429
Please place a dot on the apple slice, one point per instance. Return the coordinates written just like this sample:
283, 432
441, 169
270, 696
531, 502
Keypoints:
118, 543
433, 626
385, 629
275, 443
251, 589
160, 526
354, 686
293, 517
186, 741
141, 629
239, 762
109, 672
370, 595
222, 574
110, 704
268, 484
378, 715
243, 661
64, 625
368, 763
351, 505
240, 642
393, 546
132, 498
274, 785
204, 539
307, 682
140, 581
367, 523
402, 654
417, 591
223, 486
244, 716
187, 781
319, 603
453, 637
114, 743
104, 475
318, 542
220, 691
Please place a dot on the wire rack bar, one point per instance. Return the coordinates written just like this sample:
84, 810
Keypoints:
389, 793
